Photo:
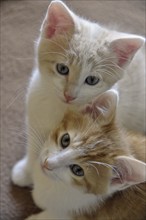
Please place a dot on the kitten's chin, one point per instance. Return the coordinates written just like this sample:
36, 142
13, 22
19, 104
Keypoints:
68, 102
75, 102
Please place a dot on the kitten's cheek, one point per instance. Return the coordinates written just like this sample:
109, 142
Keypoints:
46, 172
63, 99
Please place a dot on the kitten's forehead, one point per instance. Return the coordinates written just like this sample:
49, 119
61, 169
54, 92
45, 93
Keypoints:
73, 119
92, 139
78, 49
83, 52
82, 129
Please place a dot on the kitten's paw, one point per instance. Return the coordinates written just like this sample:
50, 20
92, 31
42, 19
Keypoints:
20, 174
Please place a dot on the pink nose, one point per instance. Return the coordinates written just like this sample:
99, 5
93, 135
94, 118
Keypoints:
68, 97
45, 165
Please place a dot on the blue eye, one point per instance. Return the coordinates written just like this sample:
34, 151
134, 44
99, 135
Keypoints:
76, 170
91, 80
62, 69
65, 140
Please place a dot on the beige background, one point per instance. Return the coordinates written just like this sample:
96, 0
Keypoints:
20, 23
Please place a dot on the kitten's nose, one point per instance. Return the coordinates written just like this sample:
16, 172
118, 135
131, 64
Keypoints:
68, 97
45, 165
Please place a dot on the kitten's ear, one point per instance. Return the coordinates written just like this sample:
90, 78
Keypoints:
58, 20
103, 108
128, 171
125, 49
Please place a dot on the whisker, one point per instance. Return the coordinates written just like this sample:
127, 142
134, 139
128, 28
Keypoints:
108, 166
36, 134
58, 53
87, 130
59, 45
94, 167
26, 135
19, 94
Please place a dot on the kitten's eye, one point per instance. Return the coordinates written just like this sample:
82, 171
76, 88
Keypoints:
65, 140
62, 69
76, 170
92, 80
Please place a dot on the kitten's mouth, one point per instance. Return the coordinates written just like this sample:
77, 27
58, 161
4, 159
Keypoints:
67, 102
49, 172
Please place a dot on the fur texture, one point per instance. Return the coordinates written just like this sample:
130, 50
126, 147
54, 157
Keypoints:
110, 165
77, 60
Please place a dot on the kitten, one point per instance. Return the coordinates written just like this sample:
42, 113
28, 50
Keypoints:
89, 168
77, 60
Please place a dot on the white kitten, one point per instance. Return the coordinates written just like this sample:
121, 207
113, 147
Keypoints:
76, 60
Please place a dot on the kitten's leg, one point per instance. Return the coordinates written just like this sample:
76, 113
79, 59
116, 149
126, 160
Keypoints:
21, 174
22, 170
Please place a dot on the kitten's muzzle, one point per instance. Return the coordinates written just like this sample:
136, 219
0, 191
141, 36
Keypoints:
68, 98
61, 159
45, 165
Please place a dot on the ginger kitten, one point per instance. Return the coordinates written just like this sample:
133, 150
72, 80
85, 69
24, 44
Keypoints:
89, 168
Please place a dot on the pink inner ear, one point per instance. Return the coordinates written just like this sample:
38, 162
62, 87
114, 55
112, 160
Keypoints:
125, 49
87, 110
120, 176
50, 32
56, 25
92, 110
58, 20
124, 56
51, 27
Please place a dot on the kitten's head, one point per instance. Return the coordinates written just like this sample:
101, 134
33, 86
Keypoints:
88, 151
80, 58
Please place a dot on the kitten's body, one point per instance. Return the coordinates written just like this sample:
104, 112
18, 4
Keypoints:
87, 49
132, 94
62, 195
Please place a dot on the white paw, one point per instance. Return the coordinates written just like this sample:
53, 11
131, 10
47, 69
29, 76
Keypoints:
20, 174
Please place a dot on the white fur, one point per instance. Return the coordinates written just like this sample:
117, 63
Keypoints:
45, 105
45, 109
58, 196
132, 92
